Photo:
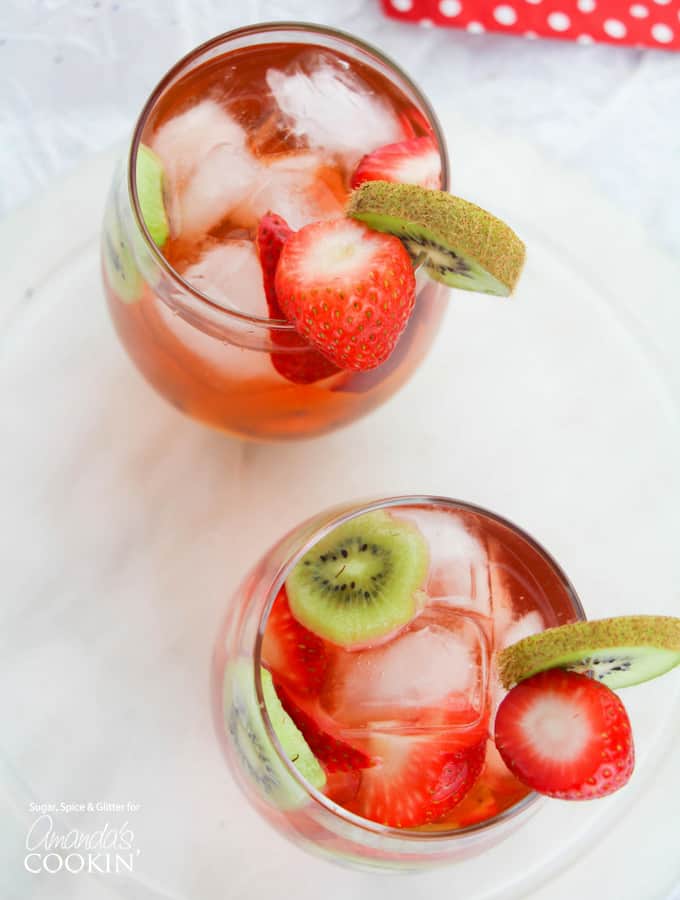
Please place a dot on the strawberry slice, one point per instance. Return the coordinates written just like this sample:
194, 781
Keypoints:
347, 289
272, 233
294, 655
566, 736
342, 787
419, 780
316, 726
302, 365
415, 161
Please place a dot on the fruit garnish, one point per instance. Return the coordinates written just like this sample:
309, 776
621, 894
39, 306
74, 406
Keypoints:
361, 582
300, 365
566, 736
347, 289
415, 161
619, 651
290, 737
149, 179
272, 233
120, 267
342, 787
463, 245
334, 754
244, 724
295, 655
419, 780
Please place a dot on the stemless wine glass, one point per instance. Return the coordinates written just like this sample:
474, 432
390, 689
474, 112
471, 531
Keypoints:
253, 752
220, 365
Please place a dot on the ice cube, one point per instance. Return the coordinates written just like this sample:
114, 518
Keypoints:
458, 560
508, 631
219, 182
185, 139
229, 274
329, 106
432, 675
208, 168
301, 187
525, 626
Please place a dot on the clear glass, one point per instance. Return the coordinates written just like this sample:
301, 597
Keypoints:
214, 363
254, 755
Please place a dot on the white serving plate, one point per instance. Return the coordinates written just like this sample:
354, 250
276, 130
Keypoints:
127, 526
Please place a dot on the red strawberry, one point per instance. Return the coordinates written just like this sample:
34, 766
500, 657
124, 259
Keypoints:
342, 787
295, 656
415, 161
347, 289
302, 365
272, 233
419, 781
566, 736
334, 754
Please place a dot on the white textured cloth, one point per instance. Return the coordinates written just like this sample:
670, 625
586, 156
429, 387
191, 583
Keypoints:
74, 74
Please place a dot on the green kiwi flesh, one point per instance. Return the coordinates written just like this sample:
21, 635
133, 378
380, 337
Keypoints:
122, 273
464, 246
361, 582
119, 257
619, 652
257, 755
149, 174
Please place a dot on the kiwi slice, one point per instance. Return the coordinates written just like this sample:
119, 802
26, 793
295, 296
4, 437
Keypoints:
256, 753
120, 267
464, 246
361, 582
150, 193
619, 652
119, 257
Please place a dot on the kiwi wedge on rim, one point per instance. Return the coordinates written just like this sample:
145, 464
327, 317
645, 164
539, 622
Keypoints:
619, 652
362, 581
463, 245
256, 753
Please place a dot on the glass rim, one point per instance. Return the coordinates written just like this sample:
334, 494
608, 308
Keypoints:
174, 71
334, 520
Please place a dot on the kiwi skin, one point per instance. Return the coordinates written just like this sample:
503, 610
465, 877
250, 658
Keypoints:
461, 227
255, 753
651, 643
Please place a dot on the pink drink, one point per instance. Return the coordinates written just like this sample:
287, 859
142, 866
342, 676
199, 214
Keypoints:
424, 696
272, 118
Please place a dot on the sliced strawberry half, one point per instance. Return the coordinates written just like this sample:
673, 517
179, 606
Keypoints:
566, 736
272, 233
415, 161
347, 289
295, 656
302, 365
342, 787
418, 780
316, 727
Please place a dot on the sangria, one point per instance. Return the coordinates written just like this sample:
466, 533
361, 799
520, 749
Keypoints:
273, 119
355, 679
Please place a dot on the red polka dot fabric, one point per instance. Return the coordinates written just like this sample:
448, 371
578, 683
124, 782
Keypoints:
641, 23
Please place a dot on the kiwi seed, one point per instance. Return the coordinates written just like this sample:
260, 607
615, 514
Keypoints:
619, 651
361, 582
256, 753
465, 246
